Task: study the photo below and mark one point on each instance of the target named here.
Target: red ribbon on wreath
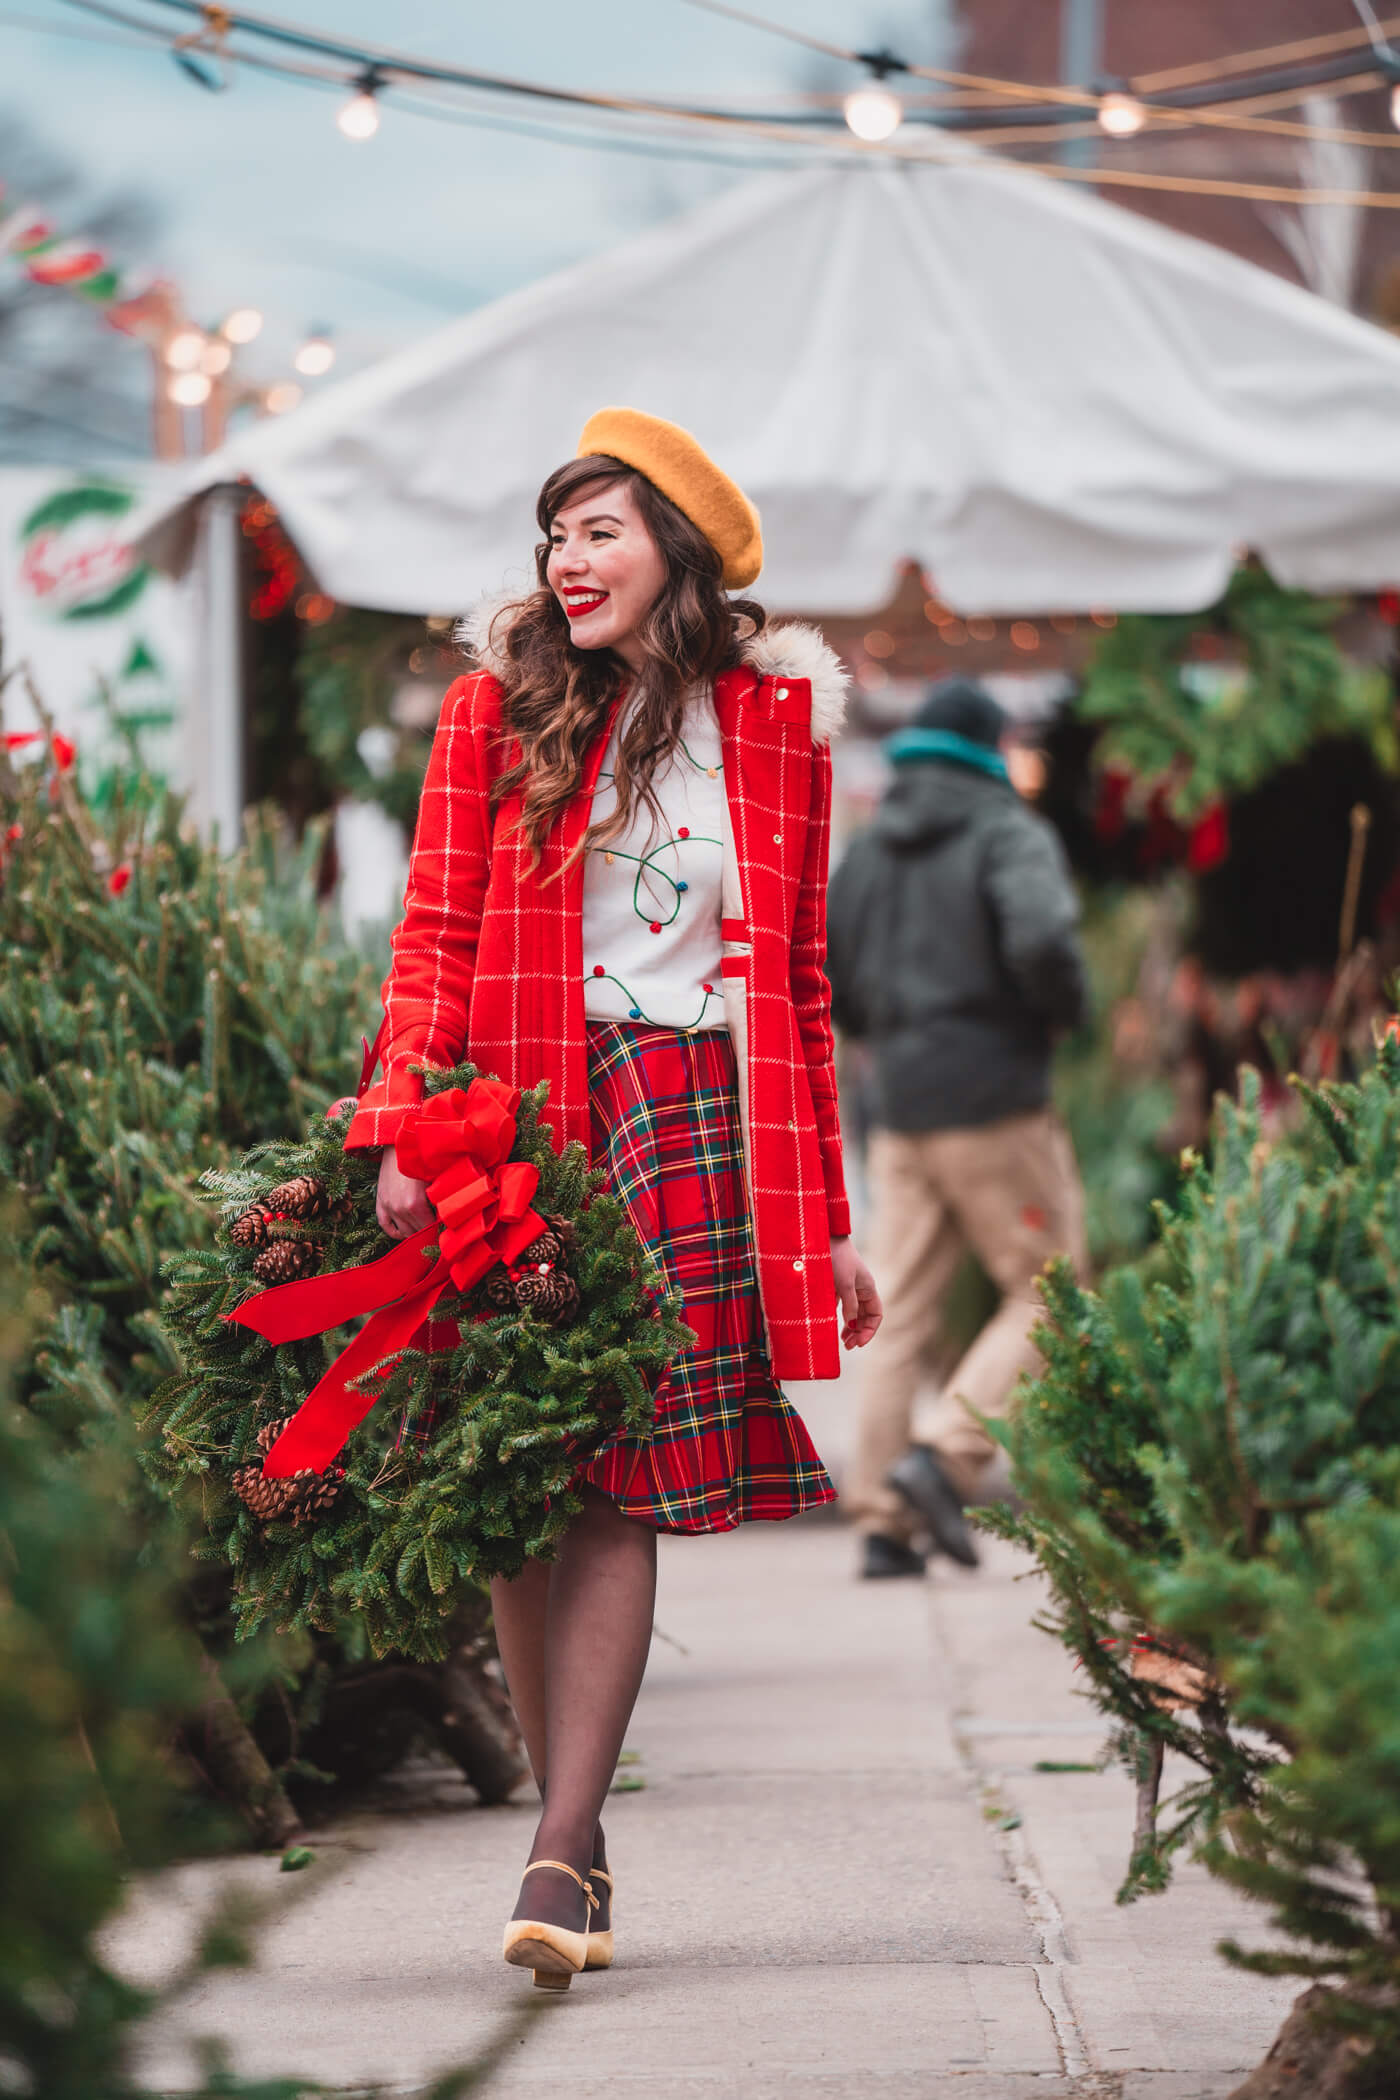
(459, 1144)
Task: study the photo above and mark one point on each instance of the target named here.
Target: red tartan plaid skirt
(724, 1447)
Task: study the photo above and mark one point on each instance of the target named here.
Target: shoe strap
(601, 1874)
(562, 1866)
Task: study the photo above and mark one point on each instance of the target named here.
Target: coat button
(777, 838)
(781, 693)
(799, 1266)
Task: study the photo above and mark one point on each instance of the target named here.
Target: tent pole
(215, 730)
(1081, 62)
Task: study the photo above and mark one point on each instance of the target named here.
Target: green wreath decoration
(463, 1468)
(1211, 730)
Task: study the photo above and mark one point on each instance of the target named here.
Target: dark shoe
(921, 1480)
(886, 1556)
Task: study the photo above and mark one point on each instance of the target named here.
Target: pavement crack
(1043, 1912)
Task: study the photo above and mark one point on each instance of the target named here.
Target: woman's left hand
(861, 1310)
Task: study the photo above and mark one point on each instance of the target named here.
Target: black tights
(573, 1635)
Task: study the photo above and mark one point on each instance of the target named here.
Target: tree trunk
(362, 1727)
(237, 1767)
(478, 1728)
(1149, 1786)
(1312, 2059)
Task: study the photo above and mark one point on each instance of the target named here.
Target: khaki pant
(1010, 1191)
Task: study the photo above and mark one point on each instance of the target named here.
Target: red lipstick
(579, 608)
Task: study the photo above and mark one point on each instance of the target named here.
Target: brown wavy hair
(556, 695)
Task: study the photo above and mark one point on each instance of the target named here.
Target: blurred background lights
(285, 395)
(185, 350)
(873, 113)
(242, 325)
(1121, 115)
(316, 355)
(191, 389)
(215, 357)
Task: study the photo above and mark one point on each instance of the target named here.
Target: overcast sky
(263, 202)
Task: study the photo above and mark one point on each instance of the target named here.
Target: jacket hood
(790, 650)
(931, 801)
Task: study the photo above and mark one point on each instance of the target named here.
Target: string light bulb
(216, 356)
(359, 117)
(185, 350)
(243, 325)
(1120, 114)
(873, 113)
(316, 355)
(282, 397)
(190, 389)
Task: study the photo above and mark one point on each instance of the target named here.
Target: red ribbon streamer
(459, 1144)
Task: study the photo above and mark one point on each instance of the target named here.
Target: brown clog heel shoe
(555, 1953)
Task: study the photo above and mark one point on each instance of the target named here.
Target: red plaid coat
(488, 962)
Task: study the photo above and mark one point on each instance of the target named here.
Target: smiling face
(605, 569)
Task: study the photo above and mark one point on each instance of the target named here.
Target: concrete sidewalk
(843, 1876)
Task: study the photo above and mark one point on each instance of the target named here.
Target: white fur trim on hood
(795, 651)
(787, 651)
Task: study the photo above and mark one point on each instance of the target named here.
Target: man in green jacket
(953, 953)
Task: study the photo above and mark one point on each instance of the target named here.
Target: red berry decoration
(656, 925)
(598, 970)
(683, 832)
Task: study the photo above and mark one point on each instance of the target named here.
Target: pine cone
(565, 1232)
(286, 1260)
(301, 1499)
(257, 1493)
(498, 1290)
(553, 1295)
(304, 1196)
(249, 1228)
(548, 1247)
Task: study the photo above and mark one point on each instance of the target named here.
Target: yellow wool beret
(671, 459)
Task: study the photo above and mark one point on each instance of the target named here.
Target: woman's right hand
(402, 1204)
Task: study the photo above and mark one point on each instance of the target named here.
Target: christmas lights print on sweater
(651, 898)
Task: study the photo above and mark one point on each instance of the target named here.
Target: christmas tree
(97, 1663)
(161, 1008)
(1212, 1465)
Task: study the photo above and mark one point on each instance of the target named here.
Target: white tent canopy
(1050, 403)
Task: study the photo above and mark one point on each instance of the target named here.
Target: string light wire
(411, 65)
(1329, 134)
(1159, 115)
(75, 33)
(904, 147)
(1303, 48)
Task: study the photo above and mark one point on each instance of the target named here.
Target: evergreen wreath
(463, 1468)
(1210, 704)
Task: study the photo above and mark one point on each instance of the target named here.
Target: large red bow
(459, 1144)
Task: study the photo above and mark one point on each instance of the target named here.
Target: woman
(618, 885)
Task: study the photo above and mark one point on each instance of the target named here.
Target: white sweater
(651, 899)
